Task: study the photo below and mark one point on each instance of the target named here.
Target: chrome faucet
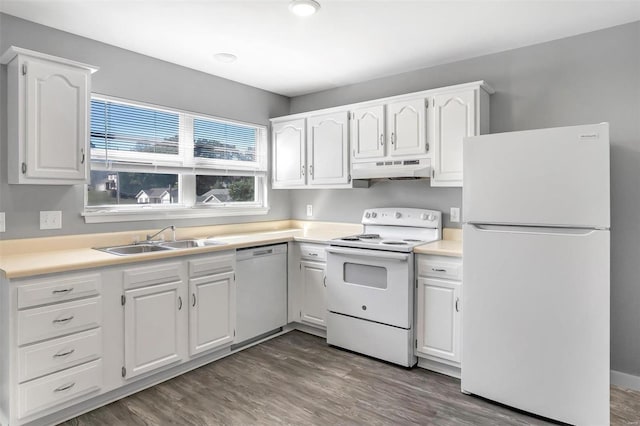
(173, 230)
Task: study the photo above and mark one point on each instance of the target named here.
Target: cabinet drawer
(59, 387)
(58, 354)
(210, 265)
(313, 252)
(439, 268)
(151, 275)
(56, 320)
(57, 289)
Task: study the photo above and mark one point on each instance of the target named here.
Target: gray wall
(131, 76)
(589, 78)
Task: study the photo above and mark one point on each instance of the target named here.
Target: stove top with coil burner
(395, 229)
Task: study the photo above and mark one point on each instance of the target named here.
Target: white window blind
(136, 137)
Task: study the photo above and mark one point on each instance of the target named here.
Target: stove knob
(367, 215)
(424, 216)
(431, 217)
(374, 215)
(398, 215)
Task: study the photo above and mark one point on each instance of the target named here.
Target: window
(147, 159)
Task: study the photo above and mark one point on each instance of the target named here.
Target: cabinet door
(212, 312)
(454, 119)
(314, 293)
(152, 319)
(438, 327)
(406, 125)
(367, 132)
(328, 149)
(289, 154)
(56, 110)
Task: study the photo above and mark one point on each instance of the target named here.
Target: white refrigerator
(535, 321)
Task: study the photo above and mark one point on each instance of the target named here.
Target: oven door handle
(371, 254)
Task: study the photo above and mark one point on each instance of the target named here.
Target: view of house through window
(114, 188)
(225, 189)
(145, 157)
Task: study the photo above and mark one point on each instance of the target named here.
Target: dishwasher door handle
(262, 252)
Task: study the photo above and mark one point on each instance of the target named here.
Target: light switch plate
(455, 214)
(309, 210)
(51, 219)
(3, 225)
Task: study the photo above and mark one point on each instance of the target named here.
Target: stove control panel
(403, 217)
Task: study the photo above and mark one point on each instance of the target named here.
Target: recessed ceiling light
(304, 7)
(227, 58)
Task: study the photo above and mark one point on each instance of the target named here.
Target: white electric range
(370, 292)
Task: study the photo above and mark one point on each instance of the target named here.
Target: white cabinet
(307, 284)
(154, 317)
(48, 118)
(406, 127)
(439, 312)
(289, 145)
(212, 302)
(313, 309)
(455, 115)
(51, 339)
(438, 328)
(328, 149)
(367, 132)
(311, 152)
(212, 306)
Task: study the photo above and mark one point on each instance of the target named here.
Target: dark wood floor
(298, 379)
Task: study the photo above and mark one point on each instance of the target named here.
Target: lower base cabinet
(439, 309)
(212, 303)
(152, 319)
(313, 309)
(307, 284)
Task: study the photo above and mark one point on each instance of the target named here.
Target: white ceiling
(348, 41)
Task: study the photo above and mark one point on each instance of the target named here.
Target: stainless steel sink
(159, 246)
(133, 249)
(182, 244)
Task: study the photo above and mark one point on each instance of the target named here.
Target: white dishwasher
(261, 279)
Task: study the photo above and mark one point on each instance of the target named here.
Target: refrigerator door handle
(537, 230)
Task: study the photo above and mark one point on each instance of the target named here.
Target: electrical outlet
(309, 210)
(51, 219)
(3, 226)
(455, 214)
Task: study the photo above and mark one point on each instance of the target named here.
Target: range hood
(411, 168)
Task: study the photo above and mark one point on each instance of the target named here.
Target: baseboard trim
(625, 380)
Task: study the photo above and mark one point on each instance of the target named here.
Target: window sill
(108, 216)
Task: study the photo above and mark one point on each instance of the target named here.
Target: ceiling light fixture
(227, 58)
(304, 7)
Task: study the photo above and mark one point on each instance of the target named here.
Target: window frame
(186, 166)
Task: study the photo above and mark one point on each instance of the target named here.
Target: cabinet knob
(194, 299)
(457, 304)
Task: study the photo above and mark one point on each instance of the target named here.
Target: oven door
(371, 284)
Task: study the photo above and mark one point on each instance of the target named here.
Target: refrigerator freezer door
(556, 177)
(536, 320)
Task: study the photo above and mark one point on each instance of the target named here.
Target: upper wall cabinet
(288, 139)
(406, 127)
(311, 152)
(367, 132)
(328, 149)
(416, 135)
(454, 116)
(48, 115)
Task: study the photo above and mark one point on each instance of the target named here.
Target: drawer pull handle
(65, 387)
(324, 281)
(438, 270)
(63, 354)
(63, 291)
(313, 254)
(194, 299)
(457, 304)
(63, 320)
